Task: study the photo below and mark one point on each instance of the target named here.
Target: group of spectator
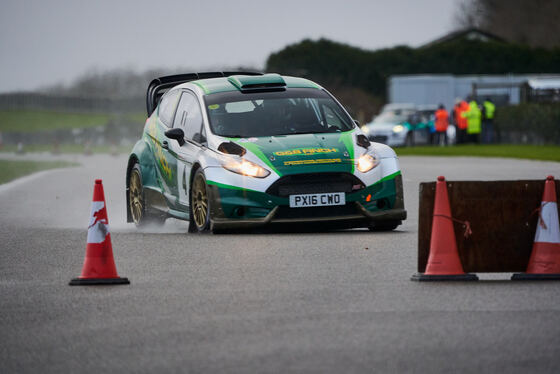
(474, 123)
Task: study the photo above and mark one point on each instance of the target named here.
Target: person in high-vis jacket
(474, 121)
(441, 125)
(488, 112)
(460, 121)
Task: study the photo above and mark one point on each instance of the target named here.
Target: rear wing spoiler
(161, 85)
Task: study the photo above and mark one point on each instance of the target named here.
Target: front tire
(200, 204)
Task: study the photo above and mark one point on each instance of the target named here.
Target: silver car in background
(391, 125)
(405, 125)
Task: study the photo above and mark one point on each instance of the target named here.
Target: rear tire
(137, 201)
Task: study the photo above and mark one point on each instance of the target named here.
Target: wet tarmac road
(275, 302)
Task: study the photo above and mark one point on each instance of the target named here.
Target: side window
(167, 107)
(189, 116)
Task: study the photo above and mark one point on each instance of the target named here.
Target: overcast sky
(43, 42)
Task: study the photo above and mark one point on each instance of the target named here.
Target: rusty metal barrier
(500, 216)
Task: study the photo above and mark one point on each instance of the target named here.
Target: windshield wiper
(325, 131)
(301, 132)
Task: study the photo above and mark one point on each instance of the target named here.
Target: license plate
(317, 199)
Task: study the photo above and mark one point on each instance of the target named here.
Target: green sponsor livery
(231, 150)
(306, 153)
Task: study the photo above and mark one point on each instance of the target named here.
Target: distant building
(444, 88)
(468, 34)
(541, 90)
(507, 89)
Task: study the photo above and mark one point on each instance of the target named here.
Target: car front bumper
(241, 208)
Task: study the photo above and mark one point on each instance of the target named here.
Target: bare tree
(468, 14)
(533, 22)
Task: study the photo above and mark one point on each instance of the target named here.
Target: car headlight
(365, 129)
(398, 128)
(245, 167)
(366, 162)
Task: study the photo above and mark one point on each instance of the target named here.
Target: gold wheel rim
(199, 202)
(135, 194)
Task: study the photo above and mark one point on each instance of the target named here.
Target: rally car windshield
(294, 111)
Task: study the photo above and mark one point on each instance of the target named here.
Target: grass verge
(68, 148)
(531, 152)
(33, 121)
(10, 170)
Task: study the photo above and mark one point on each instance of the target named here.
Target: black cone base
(98, 281)
(533, 277)
(421, 277)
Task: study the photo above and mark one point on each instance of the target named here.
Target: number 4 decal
(182, 184)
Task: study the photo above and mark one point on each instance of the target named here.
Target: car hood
(304, 153)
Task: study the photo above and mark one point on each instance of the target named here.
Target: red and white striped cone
(544, 263)
(99, 264)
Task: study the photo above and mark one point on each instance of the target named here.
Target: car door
(188, 118)
(165, 165)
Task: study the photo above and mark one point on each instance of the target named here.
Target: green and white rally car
(233, 150)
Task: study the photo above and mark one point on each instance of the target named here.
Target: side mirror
(176, 134)
(199, 138)
(363, 141)
(357, 123)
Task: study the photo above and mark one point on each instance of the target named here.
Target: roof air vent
(261, 82)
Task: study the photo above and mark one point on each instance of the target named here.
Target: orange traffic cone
(443, 261)
(544, 263)
(99, 265)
